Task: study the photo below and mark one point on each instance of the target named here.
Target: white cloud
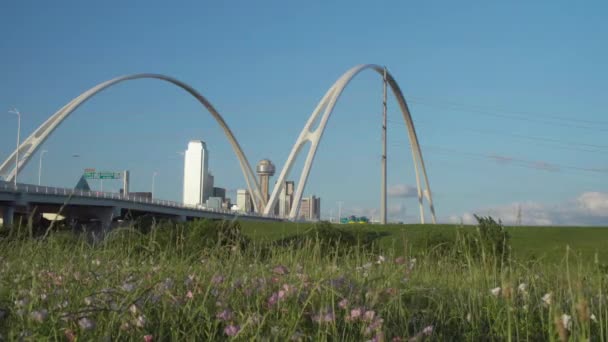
(589, 208)
(402, 190)
(596, 203)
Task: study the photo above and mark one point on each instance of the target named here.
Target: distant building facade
(196, 177)
(286, 198)
(214, 203)
(310, 209)
(243, 200)
(219, 192)
(208, 186)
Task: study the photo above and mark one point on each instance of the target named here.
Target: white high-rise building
(196, 177)
(243, 200)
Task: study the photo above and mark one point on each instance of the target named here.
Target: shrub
(331, 238)
(493, 238)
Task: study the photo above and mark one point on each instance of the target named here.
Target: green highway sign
(92, 174)
(110, 175)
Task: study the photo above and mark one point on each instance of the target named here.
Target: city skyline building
(219, 192)
(243, 200)
(310, 209)
(208, 185)
(196, 178)
(265, 169)
(214, 203)
(286, 198)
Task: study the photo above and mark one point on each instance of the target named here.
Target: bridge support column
(106, 216)
(8, 215)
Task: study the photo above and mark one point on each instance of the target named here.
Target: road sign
(110, 175)
(92, 174)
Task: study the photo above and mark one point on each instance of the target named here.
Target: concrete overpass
(104, 207)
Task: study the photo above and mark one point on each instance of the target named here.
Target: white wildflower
(412, 263)
(567, 321)
(523, 288)
(88, 301)
(380, 260)
(128, 287)
(133, 309)
(495, 291)
(593, 318)
(20, 303)
(140, 322)
(547, 299)
(86, 324)
(427, 331)
(39, 316)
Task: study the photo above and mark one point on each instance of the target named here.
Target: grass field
(298, 282)
(527, 242)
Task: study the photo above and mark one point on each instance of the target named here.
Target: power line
(516, 114)
(545, 142)
(562, 145)
(532, 164)
(515, 117)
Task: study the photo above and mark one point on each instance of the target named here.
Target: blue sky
(508, 98)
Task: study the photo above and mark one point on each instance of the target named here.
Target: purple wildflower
(218, 279)
(369, 315)
(329, 317)
(225, 315)
(232, 330)
(280, 270)
(274, 298)
(40, 316)
(356, 313)
(326, 317)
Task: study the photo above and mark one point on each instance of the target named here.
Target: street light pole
(16, 112)
(40, 166)
(153, 179)
(340, 211)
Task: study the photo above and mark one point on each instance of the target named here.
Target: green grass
(185, 283)
(545, 243)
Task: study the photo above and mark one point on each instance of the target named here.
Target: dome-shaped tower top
(265, 167)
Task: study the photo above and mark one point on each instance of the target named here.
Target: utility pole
(40, 166)
(153, 179)
(340, 211)
(16, 112)
(518, 222)
(383, 185)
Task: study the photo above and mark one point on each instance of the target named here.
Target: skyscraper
(196, 177)
(286, 198)
(243, 200)
(310, 208)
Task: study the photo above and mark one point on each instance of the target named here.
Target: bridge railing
(48, 190)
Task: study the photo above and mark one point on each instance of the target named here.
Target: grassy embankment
(545, 243)
(204, 281)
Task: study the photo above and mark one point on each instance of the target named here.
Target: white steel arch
(326, 106)
(31, 144)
